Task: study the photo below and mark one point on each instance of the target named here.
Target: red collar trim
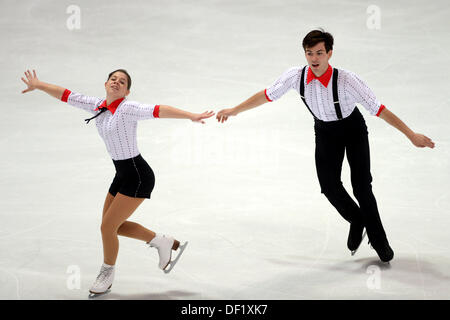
(324, 79)
(112, 106)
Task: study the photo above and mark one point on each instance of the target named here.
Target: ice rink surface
(244, 193)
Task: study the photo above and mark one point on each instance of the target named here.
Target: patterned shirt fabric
(319, 97)
(118, 125)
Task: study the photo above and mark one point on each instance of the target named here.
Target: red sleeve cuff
(267, 97)
(156, 111)
(381, 109)
(65, 95)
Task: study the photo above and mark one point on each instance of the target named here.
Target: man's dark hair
(124, 71)
(316, 36)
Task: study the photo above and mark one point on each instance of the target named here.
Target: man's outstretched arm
(418, 139)
(252, 102)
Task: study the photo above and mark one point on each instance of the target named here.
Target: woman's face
(117, 85)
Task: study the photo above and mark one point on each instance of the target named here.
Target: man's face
(317, 58)
(116, 86)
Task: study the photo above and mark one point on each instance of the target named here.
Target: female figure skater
(116, 119)
(330, 95)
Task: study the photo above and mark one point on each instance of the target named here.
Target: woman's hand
(31, 82)
(198, 117)
(421, 141)
(223, 115)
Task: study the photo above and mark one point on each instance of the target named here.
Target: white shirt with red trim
(319, 97)
(118, 125)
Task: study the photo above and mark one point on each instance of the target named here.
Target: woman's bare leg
(108, 200)
(119, 210)
(136, 231)
(127, 228)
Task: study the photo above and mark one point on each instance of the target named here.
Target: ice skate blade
(173, 262)
(93, 295)
(362, 239)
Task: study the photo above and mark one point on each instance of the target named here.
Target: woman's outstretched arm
(175, 113)
(33, 82)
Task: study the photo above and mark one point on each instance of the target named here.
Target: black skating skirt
(134, 178)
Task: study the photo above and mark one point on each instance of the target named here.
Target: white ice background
(244, 193)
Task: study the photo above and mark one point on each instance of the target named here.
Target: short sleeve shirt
(118, 130)
(351, 90)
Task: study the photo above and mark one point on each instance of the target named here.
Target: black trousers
(333, 140)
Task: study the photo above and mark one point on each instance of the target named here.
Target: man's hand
(223, 115)
(421, 141)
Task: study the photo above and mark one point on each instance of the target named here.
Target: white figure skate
(165, 244)
(103, 283)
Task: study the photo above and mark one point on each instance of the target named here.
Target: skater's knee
(104, 228)
(331, 191)
(327, 193)
(361, 184)
(362, 191)
(108, 228)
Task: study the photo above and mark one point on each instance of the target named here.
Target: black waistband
(356, 114)
(130, 160)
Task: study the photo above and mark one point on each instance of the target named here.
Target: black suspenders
(302, 91)
(337, 106)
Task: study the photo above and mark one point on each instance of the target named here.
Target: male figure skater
(330, 95)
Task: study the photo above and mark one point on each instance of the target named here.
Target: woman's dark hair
(123, 71)
(316, 36)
